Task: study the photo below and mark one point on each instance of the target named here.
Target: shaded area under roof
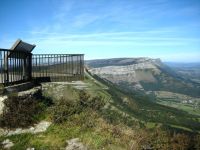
(20, 45)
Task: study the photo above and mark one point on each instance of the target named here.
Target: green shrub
(95, 103)
(64, 108)
(84, 98)
(21, 111)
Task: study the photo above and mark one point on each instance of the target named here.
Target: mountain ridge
(119, 61)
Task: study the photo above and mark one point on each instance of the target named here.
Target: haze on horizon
(164, 29)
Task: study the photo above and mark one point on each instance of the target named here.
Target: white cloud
(157, 37)
(84, 19)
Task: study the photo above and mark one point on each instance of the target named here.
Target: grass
(57, 134)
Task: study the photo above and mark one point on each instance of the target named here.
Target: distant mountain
(118, 61)
(143, 75)
(190, 71)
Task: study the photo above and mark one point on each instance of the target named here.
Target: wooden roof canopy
(21, 46)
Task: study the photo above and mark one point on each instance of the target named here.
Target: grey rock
(75, 144)
(40, 127)
(2, 99)
(29, 92)
(7, 144)
(30, 148)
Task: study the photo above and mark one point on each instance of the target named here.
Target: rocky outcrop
(29, 92)
(37, 128)
(126, 71)
(116, 70)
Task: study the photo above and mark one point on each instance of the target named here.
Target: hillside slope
(103, 116)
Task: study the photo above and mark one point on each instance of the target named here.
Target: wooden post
(6, 72)
(24, 67)
(29, 66)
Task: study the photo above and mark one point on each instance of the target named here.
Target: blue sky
(166, 29)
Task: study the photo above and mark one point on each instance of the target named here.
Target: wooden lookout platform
(18, 65)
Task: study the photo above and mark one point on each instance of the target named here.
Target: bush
(21, 111)
(83, 98)
(64, 108)
(95, 103)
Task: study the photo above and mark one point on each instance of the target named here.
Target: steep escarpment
(142, 75)
(129, 71)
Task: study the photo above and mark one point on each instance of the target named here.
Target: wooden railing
(19, 66)
(58, 67)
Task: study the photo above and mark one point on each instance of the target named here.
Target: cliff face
(141, 74)
(128, 71)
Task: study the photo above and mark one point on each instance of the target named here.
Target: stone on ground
(75, 144)
(30, 148)
(7, 144)
(2, 99)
